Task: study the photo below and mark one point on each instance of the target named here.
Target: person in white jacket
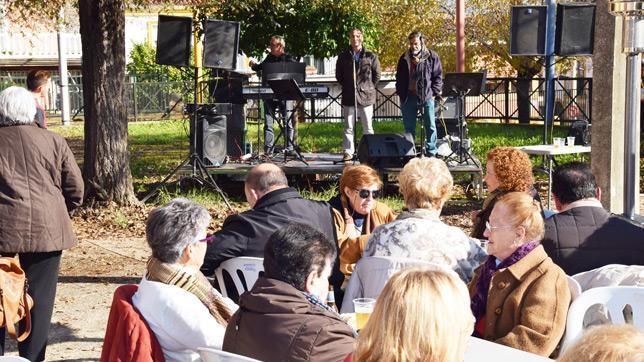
(176, 300)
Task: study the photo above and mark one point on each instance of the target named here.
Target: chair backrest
(371, 274)
(127, 328)
(243, 270)
(215, 355)
(611, 275)
(13, 359)
(575, 288)
(614, 299)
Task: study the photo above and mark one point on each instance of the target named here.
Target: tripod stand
(287, 90)
(460, 85)
(199, 174)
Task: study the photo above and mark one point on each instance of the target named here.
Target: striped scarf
(196, 284)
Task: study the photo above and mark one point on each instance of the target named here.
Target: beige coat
(351, 248)
(527, 304)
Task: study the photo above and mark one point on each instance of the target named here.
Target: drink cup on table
(363, 308)
(571, 141)
(557, 141)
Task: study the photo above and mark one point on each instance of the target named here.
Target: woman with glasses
(519, 296)
(357, 212)
(176, 300)
(418, 232)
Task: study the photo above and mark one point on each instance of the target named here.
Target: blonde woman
(608, 343)
(418, 232)
(421, 315)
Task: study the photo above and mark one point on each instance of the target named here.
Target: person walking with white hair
(40, 183)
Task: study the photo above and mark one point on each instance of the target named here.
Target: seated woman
(421, 315)
(418, 232)
(519, 296)
(181, 307)
(507, 170)
(357, 212)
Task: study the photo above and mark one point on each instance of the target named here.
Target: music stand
(461, 85)
(288, 90)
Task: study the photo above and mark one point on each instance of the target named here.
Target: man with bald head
(273, 205)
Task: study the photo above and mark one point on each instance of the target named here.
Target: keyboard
(311, 91)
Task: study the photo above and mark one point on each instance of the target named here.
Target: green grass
(156, 147)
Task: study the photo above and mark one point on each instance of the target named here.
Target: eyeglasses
(208, 239)
(364, 193)
(275, 45)
(490, 227)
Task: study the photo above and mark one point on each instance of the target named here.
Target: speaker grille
(527, 30)
(575, 29)
(173, 40)
(214, 147)
(221, 44)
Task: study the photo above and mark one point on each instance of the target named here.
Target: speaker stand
(199, 172)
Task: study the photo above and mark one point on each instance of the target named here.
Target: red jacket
(127, 337)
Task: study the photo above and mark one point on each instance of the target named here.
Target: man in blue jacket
(419, 78)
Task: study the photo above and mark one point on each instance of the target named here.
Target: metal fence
(499, 100)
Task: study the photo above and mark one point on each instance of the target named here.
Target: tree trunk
(106, 166)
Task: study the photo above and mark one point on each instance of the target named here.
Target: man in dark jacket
(272, 106)
(419, 78)
(284, 317)
(358, 61)
(273, 205)
(584, 236)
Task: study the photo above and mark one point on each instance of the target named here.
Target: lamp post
(633, 43)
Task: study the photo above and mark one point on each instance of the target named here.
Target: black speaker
(385, 150)
(173, 40)
(575, 29)
(221, 44)
(235, 129)
(528, 30)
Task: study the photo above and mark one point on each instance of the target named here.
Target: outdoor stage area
(327, 164)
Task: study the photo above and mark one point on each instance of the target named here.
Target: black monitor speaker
(386, 150)
(173, 40)
(221, 44)
(210, 138)
(575, 29)
(528, 30)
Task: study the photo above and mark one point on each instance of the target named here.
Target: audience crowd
(518, 264)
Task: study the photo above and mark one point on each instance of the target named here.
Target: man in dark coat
(364, 64)
(584, 236)
(419, 78)
(272, 106)
(284, 317)
(273, 205)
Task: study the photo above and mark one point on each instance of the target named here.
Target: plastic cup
(571, 141)
(557, 141)
(363, 308)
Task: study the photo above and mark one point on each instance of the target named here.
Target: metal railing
(500, 99)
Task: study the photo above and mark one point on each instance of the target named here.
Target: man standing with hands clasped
(419, 78)
(357, 100)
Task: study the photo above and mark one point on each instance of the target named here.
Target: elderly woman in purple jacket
(419, 78)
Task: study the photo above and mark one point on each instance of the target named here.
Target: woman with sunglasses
(418, 233)
(519, 296)
(357, 212)
(176, 300)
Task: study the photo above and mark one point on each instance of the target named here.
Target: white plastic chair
(13, 359)
(371, 274)
(215, 355)
(575, 288)
(615, 299)
(243, 270)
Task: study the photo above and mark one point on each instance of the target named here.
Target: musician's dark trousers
(274, 108)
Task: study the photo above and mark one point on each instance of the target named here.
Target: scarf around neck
(195, 283)
(479, 300)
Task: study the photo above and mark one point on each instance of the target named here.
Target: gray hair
(17, 106)
(172, 227)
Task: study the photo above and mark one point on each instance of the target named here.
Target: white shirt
(180, 322)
